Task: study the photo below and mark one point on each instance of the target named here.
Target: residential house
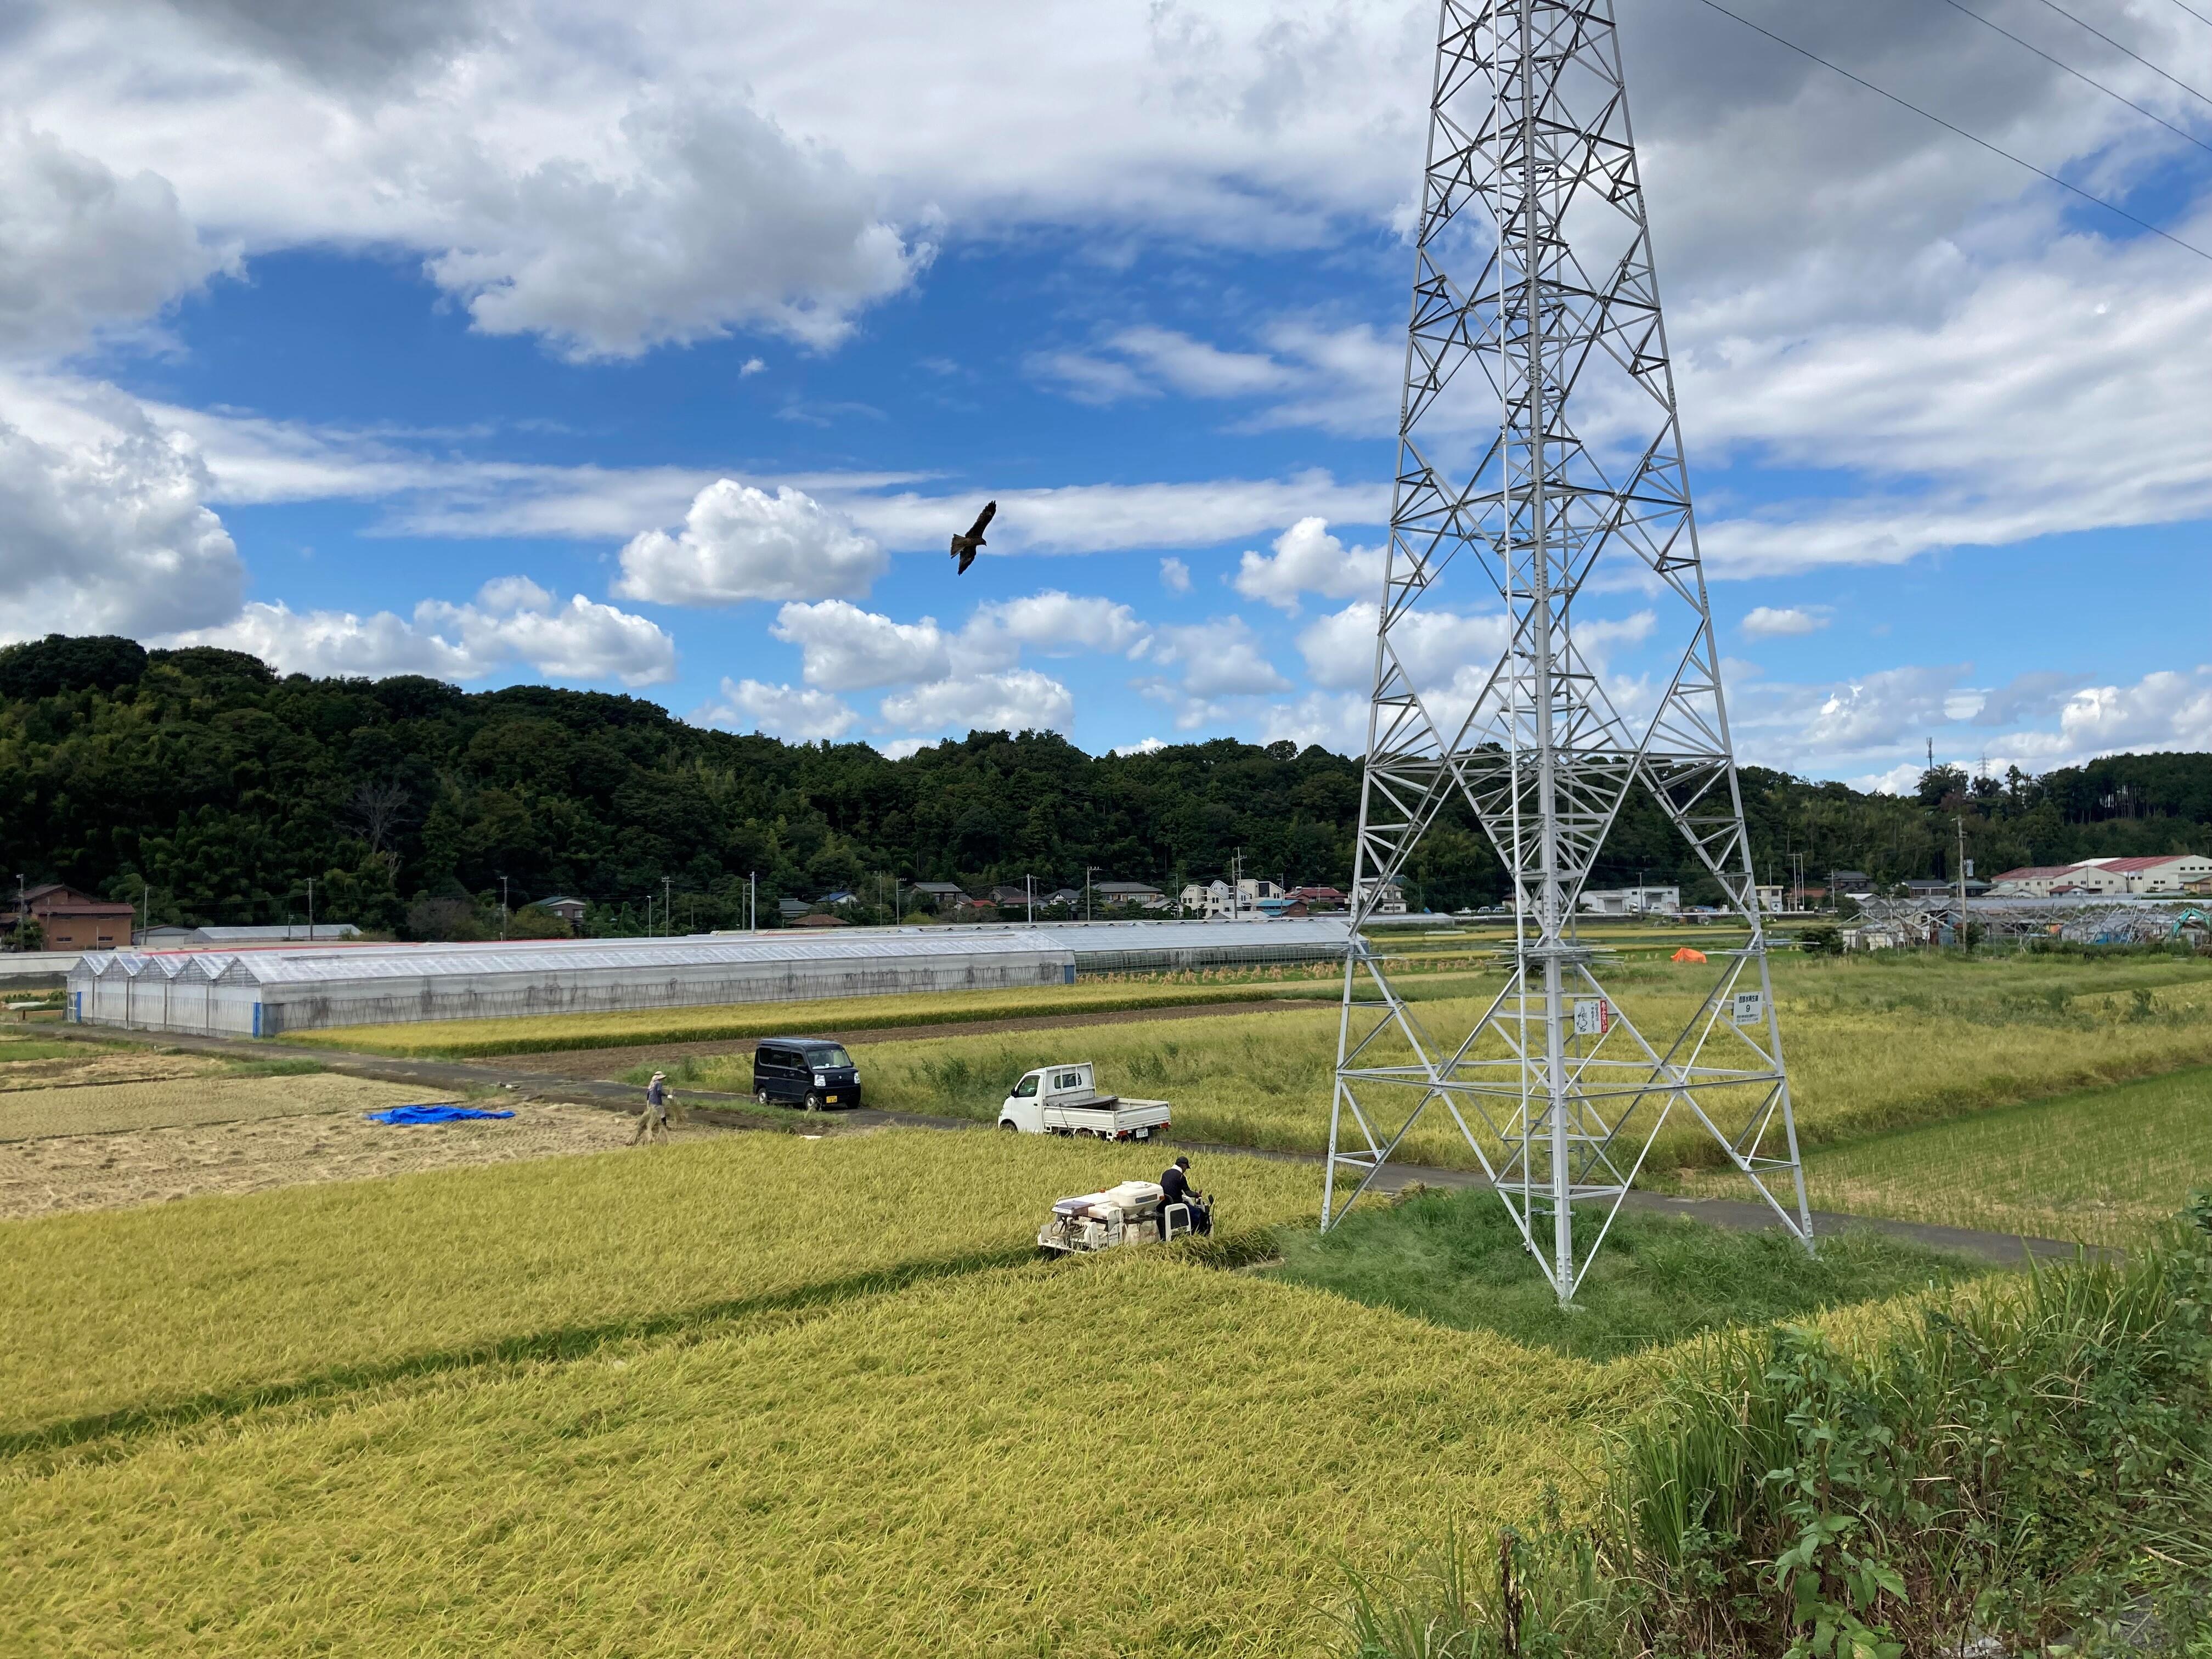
(1845, 884)
(1390, 902)
(938, 895)
(819, 918)
(570, 911)
(790, 910)
(1141, 894)
(2029, 881)
(71, 920)
(1318, 898)
(840, 898)
(1010, 897)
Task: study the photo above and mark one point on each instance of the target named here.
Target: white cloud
(82, 250)
(1020, 699)
(1142, 746)
(1342, 379)
(1053, 624)
(1437, 648)
(2165, 709)
(1309, 559)
(739, 543)
(1175, 575)
(1879, 708)
(705, 217)
(1222, 658)
(511, 620)
(782, 711)
(1767, 623)
(751, 367)
(1335, 721)
(106, 533)
(845, 648)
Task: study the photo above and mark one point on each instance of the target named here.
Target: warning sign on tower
(1592, 1016)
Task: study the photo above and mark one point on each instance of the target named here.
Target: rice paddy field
(2104, 1166)
(1873, 1044)
(773, 1395)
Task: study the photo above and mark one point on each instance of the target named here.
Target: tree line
(206, 787)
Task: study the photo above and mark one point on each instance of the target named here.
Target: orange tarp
(1686, 954)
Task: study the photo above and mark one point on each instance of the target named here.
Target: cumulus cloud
(1880, 707)
(109, 535)
(711, 217)
(1020, 699)
(2165, 709)
(1142, 746)
(1767, 623)
(511, 620)
(1053, 624)
(845, 648)
(1435, 647)
(1222, 658)
(1309, 559)
(1175, 575)
(82, 249)
(1342, 379)
(794, 713)
(738, 542)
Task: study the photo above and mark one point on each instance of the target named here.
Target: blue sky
(661, 348)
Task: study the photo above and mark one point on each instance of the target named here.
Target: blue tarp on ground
(430, 1114)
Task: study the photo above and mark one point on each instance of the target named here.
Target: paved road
(735, 1112)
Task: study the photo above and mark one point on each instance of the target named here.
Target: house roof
(2035, 872)
(2135, 866)
(1124, 887)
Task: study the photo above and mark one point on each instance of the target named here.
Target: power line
(2138, 57)
(1902, 103)
(2198, 15)
(2178, 132)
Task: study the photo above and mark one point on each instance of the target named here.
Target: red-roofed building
(72, 920)
(2157, 874)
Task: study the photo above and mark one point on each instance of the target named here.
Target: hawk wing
(982, 520)
(967, 558)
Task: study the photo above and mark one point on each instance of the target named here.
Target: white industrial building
(1631, 900)
(267, 991)
(2161, 875)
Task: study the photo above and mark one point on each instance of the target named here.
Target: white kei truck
(1064, 1100)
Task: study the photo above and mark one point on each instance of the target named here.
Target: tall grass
(2015, 1465)
(1112, 1456)
(204, 1305)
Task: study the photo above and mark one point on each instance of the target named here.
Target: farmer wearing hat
(655, 1115)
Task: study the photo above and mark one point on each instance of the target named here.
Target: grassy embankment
(2105, 1166)
(1457, 1258)
(1872, 1045)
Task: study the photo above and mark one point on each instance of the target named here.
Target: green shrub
(2026, 1466)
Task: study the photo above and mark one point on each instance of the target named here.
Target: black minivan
(811, 1072)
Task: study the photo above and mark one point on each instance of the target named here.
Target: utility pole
(667, 914)
(1087, 869)
(502, 909)
(1029, 897)
(1963, 945)
(311, 912)
(752, 900)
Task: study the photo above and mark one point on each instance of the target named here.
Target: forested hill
(222, 786)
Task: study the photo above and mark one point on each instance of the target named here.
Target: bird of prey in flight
(963, 547)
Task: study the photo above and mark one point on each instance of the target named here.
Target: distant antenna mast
(1534, 299)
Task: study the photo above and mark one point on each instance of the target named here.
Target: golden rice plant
(2105, 1166)
(551, 1033)
(199, 1306)
(1114, 1456)
(1870, 1046)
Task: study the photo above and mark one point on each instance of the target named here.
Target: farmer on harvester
(1176, 1188)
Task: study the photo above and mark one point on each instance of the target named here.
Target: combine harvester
(1131, 1213)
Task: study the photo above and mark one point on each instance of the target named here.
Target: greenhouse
(264, 993)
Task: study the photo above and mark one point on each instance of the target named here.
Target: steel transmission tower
(1539, 461)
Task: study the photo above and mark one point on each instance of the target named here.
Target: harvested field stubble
(205, 1099)
(116, 1171)
(1114, 1456)
(208, 1303)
